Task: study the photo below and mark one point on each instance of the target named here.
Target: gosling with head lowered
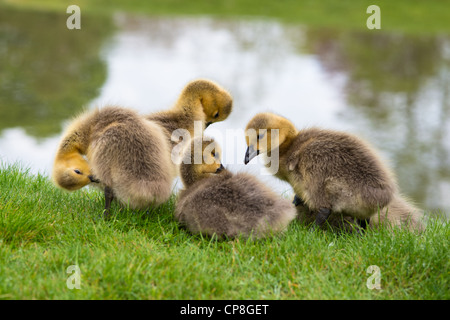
(331, 172)
(117, 149)
(218, 202)
(200, 103)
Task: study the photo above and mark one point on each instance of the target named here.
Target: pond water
(390, 89)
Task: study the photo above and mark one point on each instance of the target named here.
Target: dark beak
(207, 124)
(250, 154)
(220, 168)
(91, 177)
(298, 201)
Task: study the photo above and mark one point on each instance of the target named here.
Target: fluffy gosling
(330, 171)
(218, 202)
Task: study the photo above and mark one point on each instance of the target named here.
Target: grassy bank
(412, 16)
(139, 255)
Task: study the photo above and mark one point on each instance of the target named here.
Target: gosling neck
(77, 136)
(288, 133)
(190, 109)
(189, 174)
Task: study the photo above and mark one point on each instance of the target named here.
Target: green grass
(140, 255)
(413, 16)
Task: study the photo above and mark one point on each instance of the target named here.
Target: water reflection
(389, 88)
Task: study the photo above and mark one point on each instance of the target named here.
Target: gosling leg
(109, 196)
(364, 223)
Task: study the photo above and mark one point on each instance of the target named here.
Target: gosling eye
(216, 115)
(261, 135)
(77, 171)
(215, 155)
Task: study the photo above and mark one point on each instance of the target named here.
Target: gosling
(218, 202)
(120, 151)
(330, 171)
(200, 100)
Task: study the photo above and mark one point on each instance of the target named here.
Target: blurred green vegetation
(377, 63)
(414, 16)
(47, 72)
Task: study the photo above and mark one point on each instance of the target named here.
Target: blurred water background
(389, 86)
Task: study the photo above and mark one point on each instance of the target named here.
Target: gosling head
(216, 102)
(72, 172)
(201, 160)
(265, 132)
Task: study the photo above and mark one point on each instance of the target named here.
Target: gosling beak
(297, 201)
(220, 168)
(91, 177)
(207, 124)
(250, 154)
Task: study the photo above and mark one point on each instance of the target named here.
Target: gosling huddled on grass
(119, 150)
(218, 202)
(331, 172)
